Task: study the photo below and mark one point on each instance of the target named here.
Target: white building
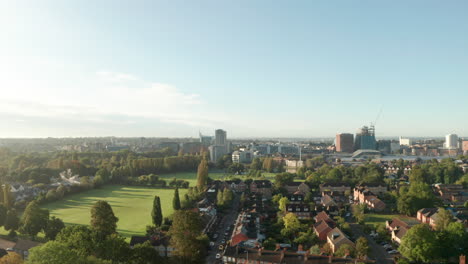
(451, 141)
(405, 141)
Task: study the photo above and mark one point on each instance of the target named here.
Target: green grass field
(192, 176)
(375, 219)
(132, 205)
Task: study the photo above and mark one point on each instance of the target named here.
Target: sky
(254, 68)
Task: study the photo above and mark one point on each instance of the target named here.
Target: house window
(290, 209)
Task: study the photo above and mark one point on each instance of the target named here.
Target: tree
(34, 219)
(306, 239)
(186, 237)
(358, 212)
(53, 227)
(176, 200)
(12, 220)
(103, 220)
(11, 258)
(256, 164)
(3, 214)
(418, 244)
(291, 221)
(444, 218)
(156, 213)
(344, 250)
(98, 181)
(7, 197)
(113, 247)
(220, 198)
(283, 202)
(236, 168)
(362, 247)
(54, 252)
(202, 174)
(78, 238)
(145, 254)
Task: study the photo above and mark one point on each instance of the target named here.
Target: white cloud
(100, 98)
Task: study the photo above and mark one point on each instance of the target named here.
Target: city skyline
(256, 69)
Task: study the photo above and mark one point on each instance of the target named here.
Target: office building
(220, 137)
(365, 138)
(344, 142)
(405, 141)
(205, 140)
(451, 141)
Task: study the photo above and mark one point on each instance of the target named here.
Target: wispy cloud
(107, 95)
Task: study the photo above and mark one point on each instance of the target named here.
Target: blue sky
(254, 68)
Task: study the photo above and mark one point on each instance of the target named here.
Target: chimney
(330, 259)
(260, 251)
(462, 259)
(282, 255)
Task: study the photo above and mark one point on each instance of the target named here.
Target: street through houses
(227, 221)
(376, 251)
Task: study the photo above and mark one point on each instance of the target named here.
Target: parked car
(387, 246)
(218, 256)
(393, 252)
(221, 247)
(389, 249)
(215, 236)
(223, 241)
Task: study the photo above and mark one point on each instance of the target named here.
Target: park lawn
(132, 205)
(375, 219)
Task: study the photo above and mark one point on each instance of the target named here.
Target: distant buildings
(465, 146)
(243, 156)
(205, 140)
(405, 142)
(344, 142)
(451, 141)
(365, 138)
(220, 147)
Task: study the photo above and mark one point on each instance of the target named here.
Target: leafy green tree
(202, 174)
(98, 181)
(34, 219)
(156, 213)
(283, 179)
(220, 198)
(176, 200)
(444, 218)
(291, 221)
(227, 196)
(78, 238)
(306, 239)
(103, 220)
(113, 248)
(256, 164)
(344, 250)
(7, 196)
(186, 237)
(236, 168)
(362, 247)
(12, 220)
(145, 254)
(419, 244)
(3, 214)
(53, 227)
(54, 252)
(283, 202)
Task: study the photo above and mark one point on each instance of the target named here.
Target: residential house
(341, 188)
(302, 211)
(428, 216)
(336, 238)
(159, 242)
(235, 185)
(23, 246)
(398, 233)
(375, 188)
(297, 186)
(262, 187)
(364, 196)
(322, 229)
(297, 197)
(237, 254)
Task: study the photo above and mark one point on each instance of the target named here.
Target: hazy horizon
(258, 69)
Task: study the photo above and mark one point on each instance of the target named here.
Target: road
(227, 221)
(377, 252)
